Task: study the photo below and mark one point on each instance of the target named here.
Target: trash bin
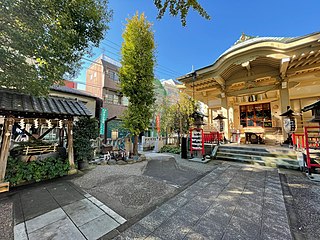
(184, 148)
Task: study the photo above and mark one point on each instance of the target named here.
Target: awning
(18, 104)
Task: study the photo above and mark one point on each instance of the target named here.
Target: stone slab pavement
(60, 210)
(231, 202)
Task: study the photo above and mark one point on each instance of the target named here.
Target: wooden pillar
(70, 143)
(284, 102)
(5, 146)
(225, 113)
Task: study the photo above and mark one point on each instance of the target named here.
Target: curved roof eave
(257, 43)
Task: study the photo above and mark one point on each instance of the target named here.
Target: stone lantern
(289, 124)
(198, 119)
(220, 119)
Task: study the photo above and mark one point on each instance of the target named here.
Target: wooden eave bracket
(284, 67)
(221, 82)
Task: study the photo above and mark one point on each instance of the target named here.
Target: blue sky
(201, 42)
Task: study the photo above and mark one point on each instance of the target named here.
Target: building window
(256, 115)
(112, 98)
(113, 75)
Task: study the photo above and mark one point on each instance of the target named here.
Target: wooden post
(70, 144)
(5, 146)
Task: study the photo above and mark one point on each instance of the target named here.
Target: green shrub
(170, 149)
(19, 171)
(84, 130)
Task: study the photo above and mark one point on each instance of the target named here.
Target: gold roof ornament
(244, 38)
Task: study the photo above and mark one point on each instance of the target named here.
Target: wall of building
(88, 101)
(94, 79)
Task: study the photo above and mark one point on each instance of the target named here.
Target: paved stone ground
(59, 210)
(231, 202)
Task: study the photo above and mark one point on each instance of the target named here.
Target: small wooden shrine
(17, 110)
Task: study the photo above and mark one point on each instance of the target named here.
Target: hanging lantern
(49, 123)
(36, 123)
(22, 124)
(60, 124)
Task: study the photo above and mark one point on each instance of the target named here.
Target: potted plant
(84, 130)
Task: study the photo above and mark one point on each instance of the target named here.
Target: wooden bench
(34, 150)
(4, 187)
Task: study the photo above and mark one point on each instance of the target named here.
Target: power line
(156, 70)
(164, 68)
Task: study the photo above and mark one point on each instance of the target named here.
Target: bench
(34, 150)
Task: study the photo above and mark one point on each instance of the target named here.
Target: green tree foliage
(84, 130)
(176, 117)
(42, 41)
(136, 74)
(182, 7)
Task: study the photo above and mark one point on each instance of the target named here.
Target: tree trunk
(135, 145)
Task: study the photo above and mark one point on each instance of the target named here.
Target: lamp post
(220, 119)
(289, 124)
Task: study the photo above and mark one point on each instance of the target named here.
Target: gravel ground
(98, 175)
(302, 198)
(185, 164)
(6, 223)
(124, 189)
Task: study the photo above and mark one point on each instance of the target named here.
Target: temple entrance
(256, 115)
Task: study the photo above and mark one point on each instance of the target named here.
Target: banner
(158, 123)
(103, 118)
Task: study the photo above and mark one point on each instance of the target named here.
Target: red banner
(158, 123)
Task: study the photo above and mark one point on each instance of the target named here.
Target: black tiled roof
(13, 103)
(71, 90)
(311, 106)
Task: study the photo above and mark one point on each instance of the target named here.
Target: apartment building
(102, 80)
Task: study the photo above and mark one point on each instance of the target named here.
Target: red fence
(213, 137)
(298, 140)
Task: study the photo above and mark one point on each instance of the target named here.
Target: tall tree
(42, 41)
(136, 75)
(182, 7)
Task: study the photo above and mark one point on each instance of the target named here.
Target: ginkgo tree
(136, 75)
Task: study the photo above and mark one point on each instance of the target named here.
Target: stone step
(255, 157)
(259, 148)
(249, 151)
(270, 162)
(268, 156)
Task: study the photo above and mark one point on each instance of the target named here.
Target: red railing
(298, 140)
(312, 141)
(213, 137)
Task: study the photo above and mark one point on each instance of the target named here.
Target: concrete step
(259, 155)
(258, 148)
(256, 153)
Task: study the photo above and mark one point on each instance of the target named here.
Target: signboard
(196, 140)
(103, 118)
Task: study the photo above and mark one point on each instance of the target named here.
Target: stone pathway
(61, 211)
(231, 202)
